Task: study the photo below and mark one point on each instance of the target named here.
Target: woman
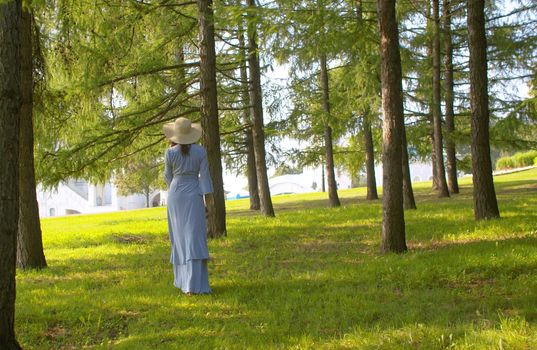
(187, 176)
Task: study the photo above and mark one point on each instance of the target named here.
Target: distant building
(81, 197)
(311, 179)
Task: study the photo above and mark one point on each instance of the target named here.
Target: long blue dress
(188, 180)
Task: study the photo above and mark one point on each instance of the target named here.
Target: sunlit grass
(310, 278)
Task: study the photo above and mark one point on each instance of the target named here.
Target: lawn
(311, 278)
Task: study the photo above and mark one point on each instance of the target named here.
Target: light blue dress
(188, 180)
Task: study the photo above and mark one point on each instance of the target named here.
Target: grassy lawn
(312, 278)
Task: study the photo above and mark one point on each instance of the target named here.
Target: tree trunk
(251, 171)
(409, 202)
(437, 111)
(10, 104)
(453, 183)
(370, 160)
(328, 147)
(256, 99)
(323, 180)
(393, 219)
(485, 204)
(368, 134)
(434, 163)
(216, 221)
(29, 239)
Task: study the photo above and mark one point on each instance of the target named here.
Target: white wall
(65, 201)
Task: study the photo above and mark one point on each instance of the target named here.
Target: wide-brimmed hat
(182, 131)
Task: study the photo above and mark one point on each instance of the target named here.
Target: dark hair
(185, 150)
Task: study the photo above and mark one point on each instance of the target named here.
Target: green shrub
(505, 163)
(524, 159)
(519, 160)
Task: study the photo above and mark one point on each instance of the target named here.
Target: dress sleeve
(206, 185)
(168, 171)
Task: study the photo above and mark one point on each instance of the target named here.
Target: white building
(81, 197)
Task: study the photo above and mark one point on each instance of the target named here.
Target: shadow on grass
(278, 311)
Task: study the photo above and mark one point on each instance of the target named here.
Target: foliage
(464, 164)
(140, 176)
(285, 169)
(116, 72)
(311, 278)
(518, 160)
(111, 73)
(505, 163)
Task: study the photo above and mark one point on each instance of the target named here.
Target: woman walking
(187, 176)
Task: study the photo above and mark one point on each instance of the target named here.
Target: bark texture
(393, 220)
(430, 115)
(485, 203)
(328, 144)
(29, 239)
(437, 111)
(10, 104)
(370, 161)
(368, 134)
(323, 180)
(433, 156)
(409, 202)
(251, 170)
(453, 183)
(216, 222)
(256, 99)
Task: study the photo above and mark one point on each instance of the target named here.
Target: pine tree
(449, 99)
(258, 134)
(10, 110)
(393, 220)
(209, 118)
(30, 253)
(436, 105)
(485, 204)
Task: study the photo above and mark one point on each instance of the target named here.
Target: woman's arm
(168, 171)
(206, 185)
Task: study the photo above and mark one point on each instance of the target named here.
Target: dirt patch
(127, 238)
(55, 332)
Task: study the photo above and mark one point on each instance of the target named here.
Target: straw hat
(182, 131)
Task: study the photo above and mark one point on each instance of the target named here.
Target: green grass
(312, 278)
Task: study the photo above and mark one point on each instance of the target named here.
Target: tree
(258, 133)
(436, 105)
(328, 144)
(408, 193)
(393, 220)
(368, 134)
(453, 183)
(10, 105)
(310, 48)
(370, 161)
(485, 204)
(251, 169)
(30, 253)
(142, 176)
(209, 118)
